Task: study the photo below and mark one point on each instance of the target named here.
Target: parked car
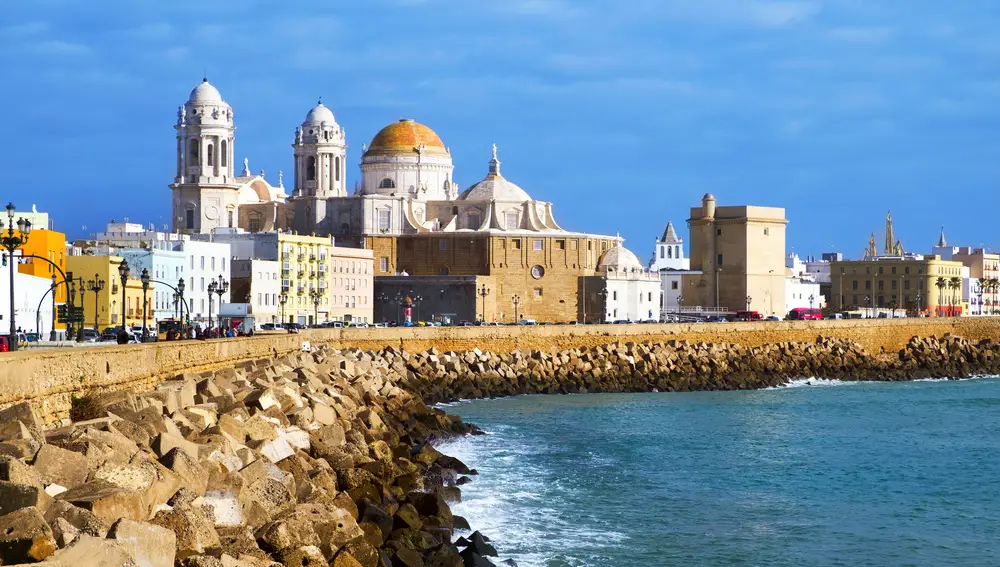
(91, 335)
(717, 319)
(527, 322)
(772, 318)
(378, 325)
(4, 344)
(805, 314)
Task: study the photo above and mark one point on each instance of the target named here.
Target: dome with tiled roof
(619, 259)
(406, 137)
(495, 187)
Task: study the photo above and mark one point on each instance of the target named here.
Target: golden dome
(404, 137)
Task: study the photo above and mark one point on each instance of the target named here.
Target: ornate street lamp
(123, 272)
(812, 299)
(382, 299)
(144, 278)
(218, 287)
(516, 300)
(483, 292)
(283, 300)
(96, 285)
(11, 242)
(748, 302)
(416, 302)
(184, 305)
(316, 298)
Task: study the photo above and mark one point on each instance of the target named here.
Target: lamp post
(144, 278)
(812, 299)
(221, 287)
(382, 299)
(398, 299)
(11, 242)
(180, 292)
(867, 302)
(483, 292)
(416, 303)
(516, 300)
(315, 297)
(718, 275)
(177, 299)
(979, 292)
(919, 311)
(95, 285)
(603, 294)
(52, 333)
(282, 301)
(123, 272)
(211, 291)
(749, 299)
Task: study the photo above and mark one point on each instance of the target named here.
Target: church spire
(942, 243)
(669, 234)
(890, 238)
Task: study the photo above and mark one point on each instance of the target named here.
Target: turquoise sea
(817, 474)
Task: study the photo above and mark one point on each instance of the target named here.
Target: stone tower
(204, 188)
(320, 150)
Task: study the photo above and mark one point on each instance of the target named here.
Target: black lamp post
(96, 285)
(979, 292)
(283, 300)
(382, 299)
(399, 306)
(144, 278)
(603, 294)
(52, 333)
(416, 303)
(812, 298)
(516, 300)
(867, 302)
(11, 242)
(123, 272)
(180, 292)
(177, 299)
(483, 292)
(748, 303)
(316, 298)
(218, 287)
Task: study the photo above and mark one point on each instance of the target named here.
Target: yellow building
(913, 283)
(105, 307)
(51, 245)
(740, 252)
(305, 277)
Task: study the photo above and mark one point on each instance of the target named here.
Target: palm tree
(941, 283)
(992, 285)
(955, 284)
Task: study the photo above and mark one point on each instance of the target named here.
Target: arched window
(444, 271)
(670, 252)
(661, 252)
(475, 220)
(336, 168)
(387, 184)
(310, 168)
(224, 150)
(678, 252)
(194, 151)
(211, 154)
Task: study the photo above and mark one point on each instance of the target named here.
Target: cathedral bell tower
(204, 187)
(320, 151)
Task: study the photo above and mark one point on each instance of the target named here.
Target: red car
(805, 314)
(4, 344)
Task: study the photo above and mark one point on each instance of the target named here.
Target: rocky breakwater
(679, 366)
(312, 460)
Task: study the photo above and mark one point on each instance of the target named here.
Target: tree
(941, 283)
(955, 284)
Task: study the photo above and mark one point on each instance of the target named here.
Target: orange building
(51, 245)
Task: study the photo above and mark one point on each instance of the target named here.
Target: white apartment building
(258, 283)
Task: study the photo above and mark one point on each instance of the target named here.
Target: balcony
(302, 273)
(312, 257)
(322, 268)
(301, 258)
(285, 288)
(301, 290)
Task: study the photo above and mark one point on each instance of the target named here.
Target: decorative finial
(281, 182)
(495, 163)
(320, 102)
(494, 151)
(246, 167)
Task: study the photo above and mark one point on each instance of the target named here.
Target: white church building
(671, 263)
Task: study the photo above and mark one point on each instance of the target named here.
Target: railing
(312, 257)
(301, 257)
(700, 309)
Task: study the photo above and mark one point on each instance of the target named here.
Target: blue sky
(621, 113)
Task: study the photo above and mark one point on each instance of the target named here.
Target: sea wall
(49, 378)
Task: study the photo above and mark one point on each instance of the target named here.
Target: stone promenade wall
(49, 378)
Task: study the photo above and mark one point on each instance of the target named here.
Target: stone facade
(910, 282)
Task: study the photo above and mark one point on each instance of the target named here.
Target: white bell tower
(205, 188)
(320, 150)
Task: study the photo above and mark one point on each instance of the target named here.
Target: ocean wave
(819, 382)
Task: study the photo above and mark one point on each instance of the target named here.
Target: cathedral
(407, 208)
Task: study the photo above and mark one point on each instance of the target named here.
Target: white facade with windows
(29, 291)
(632, 292)
(204, 262)
(669, 252)
(165, 264)
(800, 293)
(259, 285)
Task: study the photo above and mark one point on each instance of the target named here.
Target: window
(442, 244)
(230, 218)
(223, 264)
(662, 252)
(511, 221)
(907, 270)
(516, 244)
(189, 222)
(718, 260)
(194, 151)
(253, 225)
(538, 292)
(614, 296)
(868, 285)
(310, 168)
(387, 184)
(906, 284)
(572, 244)
(894, 269)
(765, 232)
(881, 270)
(673, 285)
(202, 284)
(384, 219)
(474, 221)
(224, 151)
(854, 285)
(718, 232)
(539, 245)
(213, 263)
(202, 262)
(211, 155)
(560, 244)
(383, 264)
(336, 168)
(259, 297)
(670, 252)
(893, 284)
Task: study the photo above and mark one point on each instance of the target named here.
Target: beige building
(352, 284)
(105, 307)
(910, 282)
(740, 252)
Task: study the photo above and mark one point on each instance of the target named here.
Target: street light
(381, 299)
(123, 272)
(316, 298)
(516, 300)
(283, 300)
(603, 294)
(144, 278)
(483, 292)
(979, 292)
(416, 303)
(749, 299)
(11, 242)
(180, 290)
(218, 287)
(812, 298)
(868, 302)
(96, 285)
